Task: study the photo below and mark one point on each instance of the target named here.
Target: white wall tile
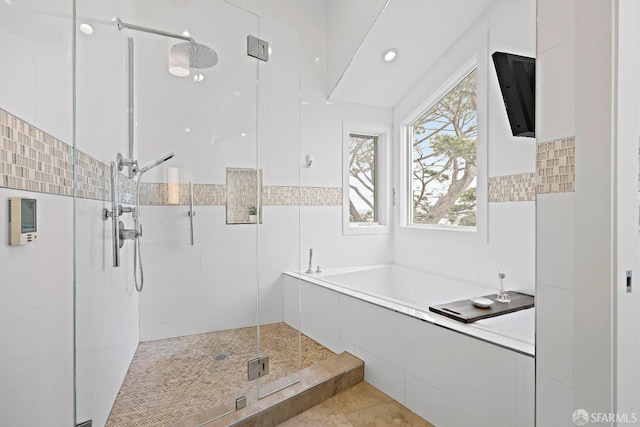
(556, 91)
(438, 408)
(452, 371)
(320, 315)
(374, 329)
(556, 22)
(525, 391)
(554, 403)
(554, 248)
(555, 333)
(382, 375)
(36, 366)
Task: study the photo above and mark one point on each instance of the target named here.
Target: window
(362, 179)
(443, 159)
(365, 177)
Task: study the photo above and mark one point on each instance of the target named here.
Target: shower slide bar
(191, 212)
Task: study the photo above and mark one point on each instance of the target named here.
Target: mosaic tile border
(215, 195)
(556, 166)
(513, 188)
(302, 196)
(33, 160)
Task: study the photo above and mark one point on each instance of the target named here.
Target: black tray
(465, 311)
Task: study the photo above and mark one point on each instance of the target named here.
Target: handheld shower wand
(155, 163)
(137, 250)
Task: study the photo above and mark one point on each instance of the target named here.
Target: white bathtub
(451, 373)
(411, 292)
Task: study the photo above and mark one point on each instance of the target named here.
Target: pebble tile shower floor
(173, 379)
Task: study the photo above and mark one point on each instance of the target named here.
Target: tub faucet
(310, 270)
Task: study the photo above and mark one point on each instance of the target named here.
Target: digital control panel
(23, 221)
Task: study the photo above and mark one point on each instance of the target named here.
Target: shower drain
(219, 356)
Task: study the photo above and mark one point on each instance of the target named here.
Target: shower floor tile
(173, 379)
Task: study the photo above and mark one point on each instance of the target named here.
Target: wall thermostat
(23, 224)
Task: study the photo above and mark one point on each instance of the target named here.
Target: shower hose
(137, 252)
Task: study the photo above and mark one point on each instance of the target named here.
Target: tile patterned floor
(360, 406)
(173, 379)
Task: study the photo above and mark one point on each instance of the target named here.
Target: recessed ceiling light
(390, 55)
(243, 134)
(317, 60)
(187, 130)
(86, 29)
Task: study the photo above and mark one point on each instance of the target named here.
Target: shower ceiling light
(86, 29)
(390, 55)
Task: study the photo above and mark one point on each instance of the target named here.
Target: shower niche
(244, 196)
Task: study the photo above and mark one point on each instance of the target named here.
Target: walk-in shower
(220, 293)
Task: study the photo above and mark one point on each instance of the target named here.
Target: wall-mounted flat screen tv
(517, 80)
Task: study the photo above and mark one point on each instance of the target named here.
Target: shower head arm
(121, 25)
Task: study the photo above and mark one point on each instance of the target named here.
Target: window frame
(382, 132)
(406, 152)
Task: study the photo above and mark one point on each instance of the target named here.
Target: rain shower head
(195, 54)
(155, 163)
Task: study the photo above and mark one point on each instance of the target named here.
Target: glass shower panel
(36, 162)
(278, 233)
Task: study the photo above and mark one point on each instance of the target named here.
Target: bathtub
(451, 373)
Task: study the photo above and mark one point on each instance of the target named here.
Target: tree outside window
(362, 179)
(444, 152)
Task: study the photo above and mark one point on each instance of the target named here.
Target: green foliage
(444, 158)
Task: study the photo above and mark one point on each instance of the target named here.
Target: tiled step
(314, 385)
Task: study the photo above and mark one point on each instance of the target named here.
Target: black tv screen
(517, 80)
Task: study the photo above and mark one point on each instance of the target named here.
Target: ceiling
(421, 31)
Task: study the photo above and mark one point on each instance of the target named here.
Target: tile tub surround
(392, 287)
(173, 379)
(421, 361)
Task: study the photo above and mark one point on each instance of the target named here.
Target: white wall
(348, 23)
(36, 288)
(628, 344)
(508, 242)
